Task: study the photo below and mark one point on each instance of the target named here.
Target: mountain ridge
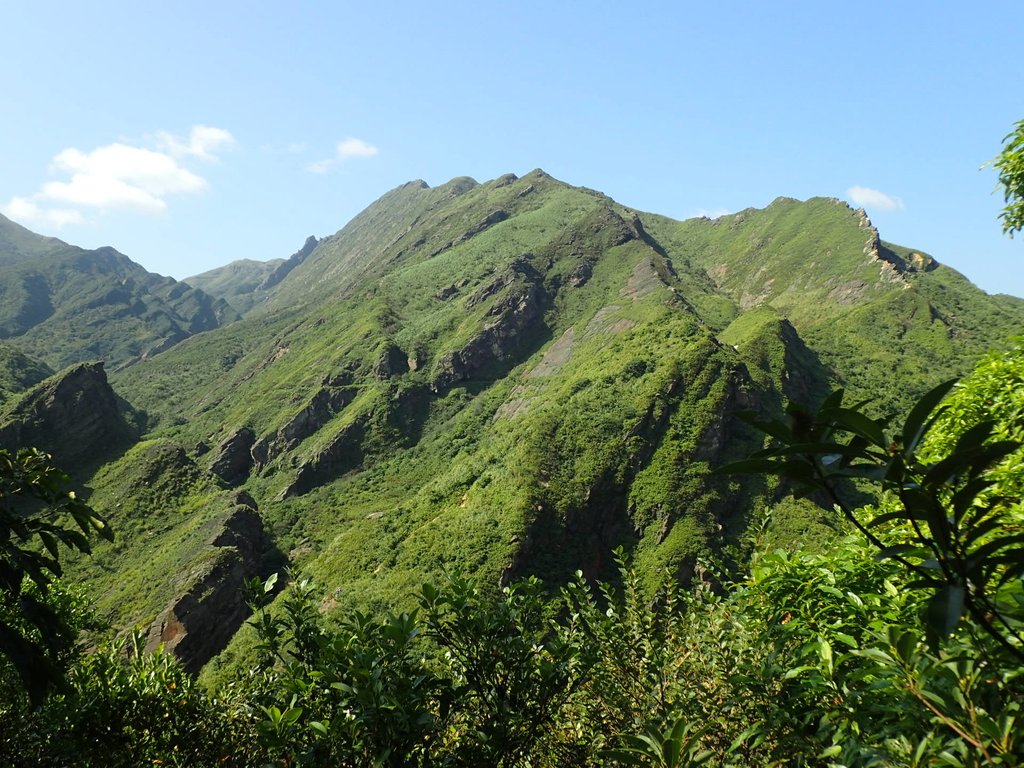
(515, 377)
(67, 304)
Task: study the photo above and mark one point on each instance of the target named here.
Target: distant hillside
(878, 314)
(246, 283)
(513, 378)
(18, 372)
(235, 282)
(64, 304)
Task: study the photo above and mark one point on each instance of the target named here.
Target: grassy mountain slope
(236, 282)
(876, 313)
(515, 377)
(18, 372)
(246, 283)
(479, 395)
(64, 304)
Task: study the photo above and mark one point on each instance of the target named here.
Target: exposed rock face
(343, 454)
(290, 263)
(494, 217)
(447, 292)
(392, 362)
(401, 414)
(197, 626)
(488, 221)
(915, 262)
(579, 276)
(234, 460)
(922, 262)
(506, 323)
(75, 416)
(327, 402)
(451, 290)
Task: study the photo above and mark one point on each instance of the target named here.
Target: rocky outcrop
(395, 420)
(488, 221)
(75, 416)
(451, 290)
(599, 231)
(505, 326)
(333, 396)
(921, 262)
(580, 274)
(344, 453)
(289, 264)
(234, 458)
(198, 624)
(896, 264)
(391, 362)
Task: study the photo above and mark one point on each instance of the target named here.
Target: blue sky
(193, 134)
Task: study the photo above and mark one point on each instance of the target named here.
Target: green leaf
(776, 429)
(319, 727)
(857, 423)
(914, 426)
(834, 400)
(846, 639)
(943, 612)
(976, 458)
(825, 651)
(974, 437)
(50, 542)
(796, 672)
(875, 654)
(905, 645)
(748, 466)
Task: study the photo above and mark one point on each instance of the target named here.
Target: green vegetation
(68, 305)
(488, 388)
(237, 283)
(1010, 164)
(18, 372)
(154, 494)
(35, 504)
(952, 520)
(802, 658)
(513, 379)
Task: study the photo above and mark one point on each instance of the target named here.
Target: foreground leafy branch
(1010, 164)
(947, 526)
(35, 503)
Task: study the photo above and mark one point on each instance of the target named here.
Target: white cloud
(320, 166)
(27, 212)
(873, 198)
(119, 176)
(712, 213)
(203, 141)
(352, 147)
(346, 149)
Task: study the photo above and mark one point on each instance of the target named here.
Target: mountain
(877, 313)
(63, 304)
(73, 415)
(246, 283)
(18, 372)
(510, 378)
(235, 282)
